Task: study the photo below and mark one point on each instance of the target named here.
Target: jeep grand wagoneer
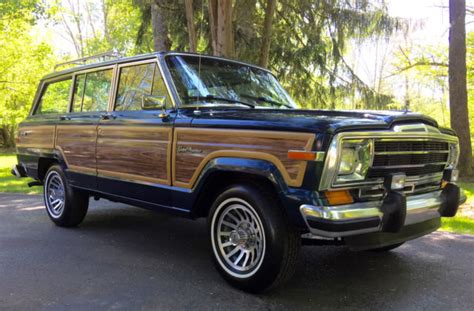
(201, 136)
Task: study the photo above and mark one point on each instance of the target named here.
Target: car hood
(317, 121)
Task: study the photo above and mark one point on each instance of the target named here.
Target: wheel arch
(221, 173)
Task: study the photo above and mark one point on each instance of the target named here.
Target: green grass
(468, 188)
(458, 224)
(10, 183)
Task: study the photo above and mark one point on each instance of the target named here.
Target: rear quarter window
(55, 97)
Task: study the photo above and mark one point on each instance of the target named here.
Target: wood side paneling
(36, 136)
(193, 148)
(77, 144)
(140, 153)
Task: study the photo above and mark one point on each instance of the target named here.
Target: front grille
(414, 158)
(401, 146)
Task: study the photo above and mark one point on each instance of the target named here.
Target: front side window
(55, 97)
(97, 90)
(136, 83)
(211, 81)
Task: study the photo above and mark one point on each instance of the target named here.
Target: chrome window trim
(331, 163)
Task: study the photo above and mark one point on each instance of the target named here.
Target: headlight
(453, 155)
(355, 159)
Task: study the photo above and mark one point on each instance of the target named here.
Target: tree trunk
(161, 41)
(267, 33)
(220, 21)
(213, 24)
(457, 82)
(190, 24)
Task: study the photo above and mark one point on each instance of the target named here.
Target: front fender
(291, 198)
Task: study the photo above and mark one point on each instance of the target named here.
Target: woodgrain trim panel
(139, 130)
(264, 145)
(69, 136)
(37, 136)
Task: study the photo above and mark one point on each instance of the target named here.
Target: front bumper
(366, 217)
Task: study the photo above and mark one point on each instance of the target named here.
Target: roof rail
(114, 54)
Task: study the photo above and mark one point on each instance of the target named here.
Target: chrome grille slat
(408, 165)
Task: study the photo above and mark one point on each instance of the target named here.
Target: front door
(135, 140)
(76, 132)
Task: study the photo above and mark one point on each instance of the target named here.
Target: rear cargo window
(55, 97)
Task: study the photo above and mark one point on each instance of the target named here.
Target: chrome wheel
(238, 237)
(54, 194)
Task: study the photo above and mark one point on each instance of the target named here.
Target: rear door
(76, 133)
(134, 144)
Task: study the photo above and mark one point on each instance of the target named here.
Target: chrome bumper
(366, 217)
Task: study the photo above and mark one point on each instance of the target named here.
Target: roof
(136, 58)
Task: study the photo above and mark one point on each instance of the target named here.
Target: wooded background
(307, 44)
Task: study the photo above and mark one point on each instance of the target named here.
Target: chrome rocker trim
(420, 208)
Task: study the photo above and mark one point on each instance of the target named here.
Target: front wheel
(65, 206)
(254, 246)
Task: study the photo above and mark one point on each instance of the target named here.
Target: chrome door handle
(107, 116)
(64, 118)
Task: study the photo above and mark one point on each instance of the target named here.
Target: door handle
(107, 116)
(64, 118)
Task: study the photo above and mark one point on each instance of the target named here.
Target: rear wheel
(65, 206)
(254, 246)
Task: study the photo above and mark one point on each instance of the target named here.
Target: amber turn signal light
(339, 197)
(305, 155)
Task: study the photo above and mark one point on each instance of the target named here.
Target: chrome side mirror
(151, 102)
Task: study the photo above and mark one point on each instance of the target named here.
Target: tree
(220, 23)
(190, 25)
(267, 33)
(24, 62)
(161, 41)
(457, 82)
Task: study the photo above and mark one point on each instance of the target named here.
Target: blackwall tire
(254, 247)
(65, 206)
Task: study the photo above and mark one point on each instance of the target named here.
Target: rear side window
(138, 81)
(91, 91)
(55, 97)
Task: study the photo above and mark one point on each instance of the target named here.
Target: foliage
(24, 62)
(425, 70)
(10, 183)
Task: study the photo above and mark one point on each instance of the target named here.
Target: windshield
(205, 81)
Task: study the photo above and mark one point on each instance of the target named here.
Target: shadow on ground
(124, 257)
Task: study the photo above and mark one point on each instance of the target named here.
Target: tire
(65, 206)
(254, 247)
(386, 248)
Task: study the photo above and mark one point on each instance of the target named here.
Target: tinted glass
(78, 91)
(135, 82)
(96, 92)
(55, 98)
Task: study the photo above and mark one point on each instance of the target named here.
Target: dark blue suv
(201, 136)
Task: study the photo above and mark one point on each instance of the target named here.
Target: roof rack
(114, 54)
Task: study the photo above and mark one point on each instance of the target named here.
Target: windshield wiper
(212, 97)
(266, 100)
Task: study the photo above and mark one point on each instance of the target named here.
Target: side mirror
(151, 102)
